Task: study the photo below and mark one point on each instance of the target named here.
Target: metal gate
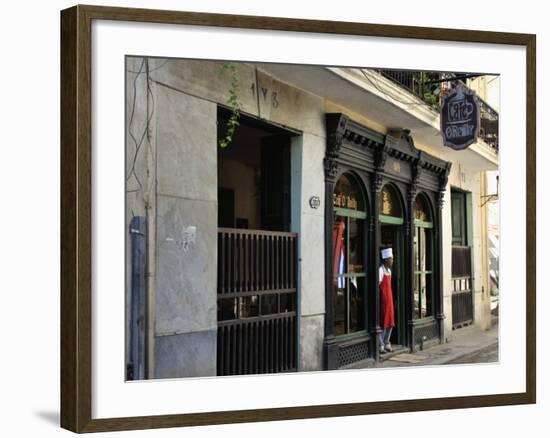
(256, 301)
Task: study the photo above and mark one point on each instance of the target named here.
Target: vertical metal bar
(237, 263)
(277, 262)
(261, 261)
(233, 263)
(283, 344)
(270, 348)
(269, 262)
(265, 262)
(261, 345)
(219, 359)
(287, 343)
(293, 342)
(257, 255)
(233, 349)
(274, 261)
(276, 345)
(266, 345)
(253, 349)
(256, 349)
(292, 262)
(289, 260)
(285, 262)
(253, 262)
(250, 352)
(221, 262)
(241, 264)
(226, 349)
(244, 349)
(219, 282)
(246, 262)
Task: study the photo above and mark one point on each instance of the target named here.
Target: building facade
(262, 256)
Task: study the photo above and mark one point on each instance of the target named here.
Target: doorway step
(397, 349)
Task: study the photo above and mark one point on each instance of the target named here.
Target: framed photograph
(269, 218)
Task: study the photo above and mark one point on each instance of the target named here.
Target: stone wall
(185, 95)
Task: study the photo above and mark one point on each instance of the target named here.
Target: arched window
(348, 256)
(423, 259)
(390, 206)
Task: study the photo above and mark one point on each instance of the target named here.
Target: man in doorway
(387, 320)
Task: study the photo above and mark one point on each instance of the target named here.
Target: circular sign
(314, 202)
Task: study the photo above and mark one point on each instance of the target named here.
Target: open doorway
(257, 253)
(254, 176)
(391, 237)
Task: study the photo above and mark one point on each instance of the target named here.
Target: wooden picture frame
(76, 218)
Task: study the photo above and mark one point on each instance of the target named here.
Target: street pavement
(485, 355)
(468, 345)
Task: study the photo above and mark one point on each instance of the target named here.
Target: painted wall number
(271, 96)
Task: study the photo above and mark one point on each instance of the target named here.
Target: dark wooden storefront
(365, 171)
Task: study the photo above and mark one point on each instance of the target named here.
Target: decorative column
(336, 128)
(377, 183)
(416, 168)
(440, 315)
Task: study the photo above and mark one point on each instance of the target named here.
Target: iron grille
(256, 301)
(425, 333)
(353, 353)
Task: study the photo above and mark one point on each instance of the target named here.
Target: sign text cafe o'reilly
(460, 118)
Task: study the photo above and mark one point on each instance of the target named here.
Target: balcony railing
(418, 83)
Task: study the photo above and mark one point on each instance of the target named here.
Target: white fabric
(387, 253)
(381, 271)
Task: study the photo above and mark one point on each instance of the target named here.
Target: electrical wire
(145, 132)
(150, 71)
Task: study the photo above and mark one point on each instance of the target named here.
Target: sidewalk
(467, 343)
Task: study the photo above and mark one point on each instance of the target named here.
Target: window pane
(389, 202)
(429, 252)
(416, 296)
(347, 194)
(416, 248)
(422, 295)
(356, 245)
(422, 250)
(357, 303)
(422, 209)
(458, 215)
(339, 302)
(429, 295)
(339, 259)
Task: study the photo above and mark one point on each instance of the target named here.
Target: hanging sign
(459, 118)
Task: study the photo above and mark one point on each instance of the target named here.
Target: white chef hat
(387, 253)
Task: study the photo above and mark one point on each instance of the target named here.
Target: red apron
(386, 303)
